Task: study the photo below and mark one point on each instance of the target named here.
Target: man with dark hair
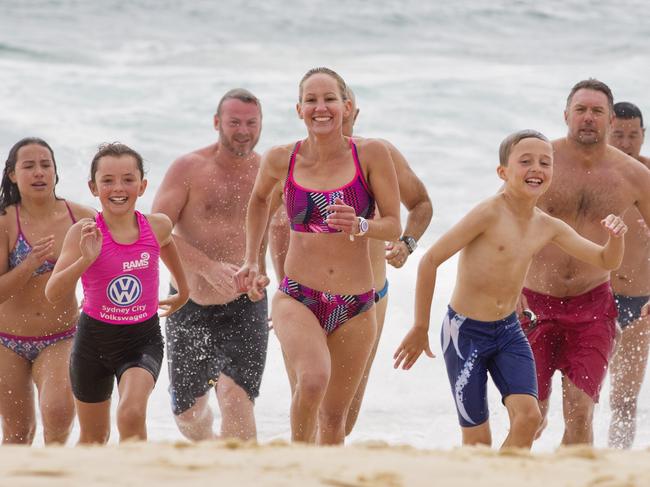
(219, 337)
(576, 314)
(631, 285)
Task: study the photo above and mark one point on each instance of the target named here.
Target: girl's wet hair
(9, 193)
(343, 89)
(513, 139)
(115, 149)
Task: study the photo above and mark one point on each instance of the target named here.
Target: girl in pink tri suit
(320, 313)
(118, 335)
(35, 337)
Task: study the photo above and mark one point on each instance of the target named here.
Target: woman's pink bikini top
(307, 208)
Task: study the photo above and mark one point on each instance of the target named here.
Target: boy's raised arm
(607, 257)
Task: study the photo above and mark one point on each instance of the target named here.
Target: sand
(278, 464)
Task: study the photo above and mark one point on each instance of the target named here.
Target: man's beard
(236, 147)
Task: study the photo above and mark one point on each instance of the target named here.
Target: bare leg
(543, 409)
(16, 399)
(355, 407)
(525, 420)
(52, 378)
(477, 435)
(196, 422)
(349, 348)
(237, 415)
(136, 385)
(94, 421)
(578, 410)
(627, 372)
(307, 359)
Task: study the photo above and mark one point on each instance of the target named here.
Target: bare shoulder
(278, 156)
(372, 147)
(159, 221)
(373, 154)
(488, 210)
(81, 211)
(645, 160)
(187, 164)
(161, 225)
(7, 219)
(633, 170)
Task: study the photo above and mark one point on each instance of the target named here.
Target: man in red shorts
(575, 326)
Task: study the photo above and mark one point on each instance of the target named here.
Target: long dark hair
(9, 193)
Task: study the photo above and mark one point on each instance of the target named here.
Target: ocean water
(444, 81)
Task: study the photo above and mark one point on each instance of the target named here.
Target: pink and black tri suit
(118, 328)
(307, 212)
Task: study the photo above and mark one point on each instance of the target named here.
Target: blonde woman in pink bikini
(322, 311)
(118, 337)
(35, 337)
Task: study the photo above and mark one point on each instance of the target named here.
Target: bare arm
(257, 215)
(278, 234)
(216, 273)
(174, 190)
(413, 195)
(608, 257)
(383, 182)
(415, 198)
(81, 247)
(643, 201)
(162, 227)
(458, 237)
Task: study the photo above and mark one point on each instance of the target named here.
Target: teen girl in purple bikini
(320, 311)
(35, 337)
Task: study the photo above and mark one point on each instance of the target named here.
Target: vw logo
(124, 290)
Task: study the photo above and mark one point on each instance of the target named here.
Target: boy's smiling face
(530, 167)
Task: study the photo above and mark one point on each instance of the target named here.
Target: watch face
(363, 225)
(410, 242)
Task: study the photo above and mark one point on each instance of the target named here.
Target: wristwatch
(363, 226)
(411, 243)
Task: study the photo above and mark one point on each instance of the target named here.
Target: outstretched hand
(342, 217)
(614, 225)
(171, 304)
(90, 242)
(415, 342)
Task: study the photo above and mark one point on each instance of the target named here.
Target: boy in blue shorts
(481, 332)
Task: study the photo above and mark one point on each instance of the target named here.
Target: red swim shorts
(575, 335)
